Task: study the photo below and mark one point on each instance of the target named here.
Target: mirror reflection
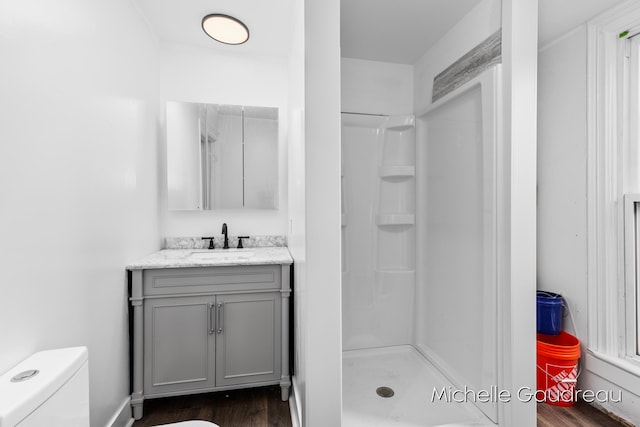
(221, 156)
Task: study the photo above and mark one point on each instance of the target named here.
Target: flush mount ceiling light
(225, 29)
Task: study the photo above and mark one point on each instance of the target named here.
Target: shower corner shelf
(395, 219)
(397, 171)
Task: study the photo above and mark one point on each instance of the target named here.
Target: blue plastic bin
(549, 313)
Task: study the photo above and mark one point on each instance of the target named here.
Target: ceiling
(179, 21)
(396, 30)
(402, 30)
(382, 30)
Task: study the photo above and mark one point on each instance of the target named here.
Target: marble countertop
(180, 258)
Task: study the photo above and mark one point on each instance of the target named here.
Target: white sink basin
(221, 255)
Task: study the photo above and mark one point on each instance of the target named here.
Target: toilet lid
(194, 423)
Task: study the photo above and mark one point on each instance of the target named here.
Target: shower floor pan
(411, 379)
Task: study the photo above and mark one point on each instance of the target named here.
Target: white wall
(78, 181)
(562, 172)
(375, 87)
(193, 74)
(517, 208)
(562, 201)
(482, 21)
(315, 228)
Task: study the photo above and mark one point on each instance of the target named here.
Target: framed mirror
(221, 156)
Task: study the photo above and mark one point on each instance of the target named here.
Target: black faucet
(226, 238)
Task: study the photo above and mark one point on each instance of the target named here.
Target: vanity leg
(137, 397)
(285, 378)
(136, 405)
(284, 392)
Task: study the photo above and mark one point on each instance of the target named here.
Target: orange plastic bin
(557, 371)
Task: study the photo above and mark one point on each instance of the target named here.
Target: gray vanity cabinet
(209, 328)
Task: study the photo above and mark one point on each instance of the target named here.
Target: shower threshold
(412, 380)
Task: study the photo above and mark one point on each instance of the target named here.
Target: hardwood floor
(255, 407)
(262, 407)
(579, 415)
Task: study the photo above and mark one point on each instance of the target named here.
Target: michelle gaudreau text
(524, 394)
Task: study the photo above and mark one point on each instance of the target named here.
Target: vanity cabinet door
(248, 343)
(179, 348)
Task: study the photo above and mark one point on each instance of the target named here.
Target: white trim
(609, 168)
(628, 408)
(517, 177)
(122, 416)
(605, 177)
(601, 157)
(614, 374)
(628, 371)
(294, 406)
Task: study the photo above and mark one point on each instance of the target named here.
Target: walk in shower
(419, 236)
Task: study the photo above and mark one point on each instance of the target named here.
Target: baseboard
(294, 405)
(122, 416)
(617, 385)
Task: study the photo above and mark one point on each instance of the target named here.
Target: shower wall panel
(378, 236)
(456, 220)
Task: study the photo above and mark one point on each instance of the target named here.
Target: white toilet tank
(57, 395)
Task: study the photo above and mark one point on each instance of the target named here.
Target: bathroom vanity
(208, 320)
